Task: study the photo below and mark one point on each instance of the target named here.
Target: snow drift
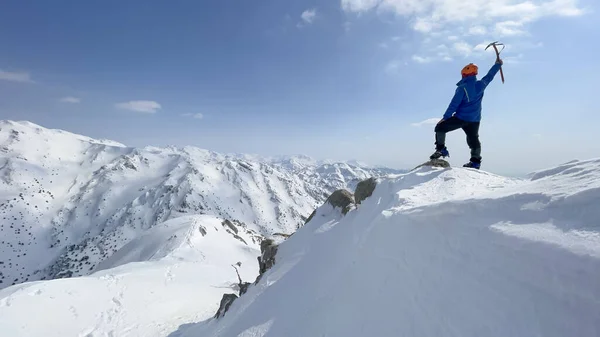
(437, 252)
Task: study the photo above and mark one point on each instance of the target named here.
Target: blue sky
(344, 79)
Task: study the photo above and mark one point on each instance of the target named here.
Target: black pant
(471, 129)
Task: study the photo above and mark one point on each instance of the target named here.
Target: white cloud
(15, 77)
(139, 106)
(481, 46)
(393, 66)
(462, 48)
(509, 28)
(424, 25)
(477, 30)
(513, 59)
(427, 122)
(445, 20)
(359, 5)
(309, 15)
(444, 12)
(70, 99)
(196, 115)
(421, 59)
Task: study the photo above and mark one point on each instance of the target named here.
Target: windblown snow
(150, 240)
(437, 252)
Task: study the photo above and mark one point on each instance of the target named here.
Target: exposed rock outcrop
(244, 287)
(226, 302)
(283, 235)
(229, 224)
(342, 199)
(266, 260)
(435, 163)
(311, 216)
(268, 248)
(364, 189)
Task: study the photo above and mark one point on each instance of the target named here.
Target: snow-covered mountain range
(433, 252)
(68, 203)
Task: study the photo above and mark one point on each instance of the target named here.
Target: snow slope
(69, 202)
(437, 252)
(174, 274)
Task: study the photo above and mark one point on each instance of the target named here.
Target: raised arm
(491, 73)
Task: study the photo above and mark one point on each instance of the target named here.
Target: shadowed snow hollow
(437, 252)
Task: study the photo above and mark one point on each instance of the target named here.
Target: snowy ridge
(437, 252)
(69, 202)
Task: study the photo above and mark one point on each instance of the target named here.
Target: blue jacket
(468, 95)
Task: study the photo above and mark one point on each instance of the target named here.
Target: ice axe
(494, 44)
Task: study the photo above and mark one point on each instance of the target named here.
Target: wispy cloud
(427, 122)
(393, 66)
(436, 14)
(192, 115)
(513, 59)
(462, 48)
(421, 59)
(477, 30)
(70, 99)
(15, 76)
(443, 20)
(139, 106)
(307, 17)
(347, 26)
(510, 28)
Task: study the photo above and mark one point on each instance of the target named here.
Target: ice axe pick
(495, 44)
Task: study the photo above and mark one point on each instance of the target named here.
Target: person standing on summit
(464, 112)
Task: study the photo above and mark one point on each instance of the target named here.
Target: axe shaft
(497, 58)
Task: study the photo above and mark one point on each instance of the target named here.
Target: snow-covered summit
(56, 137)
(437, 252)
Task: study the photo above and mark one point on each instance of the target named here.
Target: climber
(464, 112)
